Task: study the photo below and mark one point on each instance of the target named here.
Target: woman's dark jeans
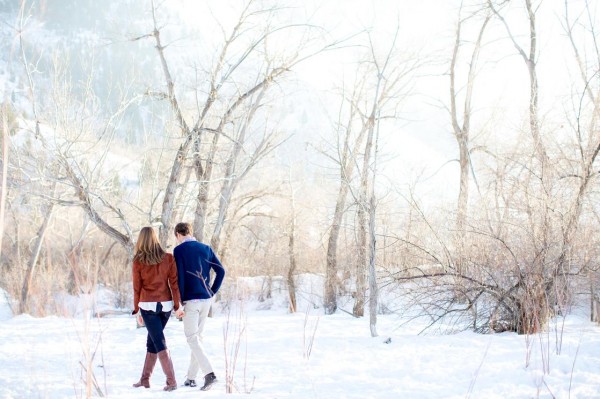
(155, 324)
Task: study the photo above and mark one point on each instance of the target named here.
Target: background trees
(311, 139)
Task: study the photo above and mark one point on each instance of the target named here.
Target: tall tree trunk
(530, 60)
(373, 288)
(463, 200)
(171, 192)
(534, 315)
(347, 163)
(531, 63)
(173, 184)
(330, 294)
(588, 150)
(384, 83)
(204, 175)
(292, 255)
(361, 261)
(4, 187)
(232, 175)
(35, 254)
(462, 133)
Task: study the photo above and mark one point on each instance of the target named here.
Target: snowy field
(40, 358)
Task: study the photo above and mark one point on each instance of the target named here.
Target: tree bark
(373, 288)
(4, 187)
(35, 254)
(462, 134)
(292, 255)
(361, 261)
(232, 174)
(347, 162)
(380, 95)
(176, 169)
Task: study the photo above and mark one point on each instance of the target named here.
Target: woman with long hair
(155, 294)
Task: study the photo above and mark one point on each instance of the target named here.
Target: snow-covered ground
(40, 358)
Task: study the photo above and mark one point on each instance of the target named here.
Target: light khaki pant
(196, 313)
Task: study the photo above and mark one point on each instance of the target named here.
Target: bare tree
(292, 251)
(462, 131)
(389, 86)
(530, 58)
(585, 126)
(236, 169)
(378, 84)
(62, 160)
(373, 287)
(245, 207)
(29, 274)
(530, 281)
(220, 109)
(347, 161)
(4, 187)
(33, 260)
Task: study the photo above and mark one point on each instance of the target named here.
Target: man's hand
(179, 313)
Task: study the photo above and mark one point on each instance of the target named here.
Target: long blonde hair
(147, 248)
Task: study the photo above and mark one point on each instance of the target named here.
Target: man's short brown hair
(185, 229)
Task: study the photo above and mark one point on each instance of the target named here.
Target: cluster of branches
(519, 254)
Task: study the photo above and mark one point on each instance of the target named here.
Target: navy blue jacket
(194, 261)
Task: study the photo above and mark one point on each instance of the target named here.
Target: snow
(98, 300)
(301, 355)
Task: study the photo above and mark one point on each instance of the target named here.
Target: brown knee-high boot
(147, 371)
(167, 366)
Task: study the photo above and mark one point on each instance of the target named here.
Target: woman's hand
(140, 320)
(179, 313)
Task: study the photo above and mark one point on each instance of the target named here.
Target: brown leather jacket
(155, 283)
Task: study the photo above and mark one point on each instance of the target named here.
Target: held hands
(179, 313)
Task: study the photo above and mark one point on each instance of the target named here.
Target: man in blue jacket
(194, 262)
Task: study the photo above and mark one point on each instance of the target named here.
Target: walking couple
(181, 282)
